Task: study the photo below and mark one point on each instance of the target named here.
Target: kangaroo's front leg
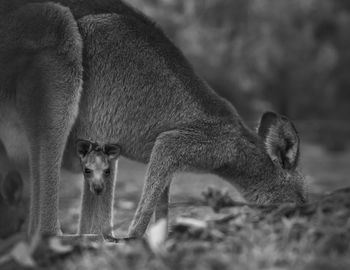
(172, 152)
(47, 91)
(162, 208)
(159, 176)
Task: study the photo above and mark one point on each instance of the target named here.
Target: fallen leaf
(21, 253)
(191, 222)
(56, 245)
(157, 235)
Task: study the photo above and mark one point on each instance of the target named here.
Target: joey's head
(12, 207)
(281, 142)
(97, 163)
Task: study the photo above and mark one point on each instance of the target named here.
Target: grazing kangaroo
(139, 92)
(98, 163)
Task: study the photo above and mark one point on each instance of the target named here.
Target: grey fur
(99, 165)
(140, 92)
(97, 210)
(40, 84)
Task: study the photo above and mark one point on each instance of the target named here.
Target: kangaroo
(98, 163)
(103, 72)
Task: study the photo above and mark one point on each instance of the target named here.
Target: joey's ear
(12, 188)
(83, 148)
(112, 150)
(281, 139)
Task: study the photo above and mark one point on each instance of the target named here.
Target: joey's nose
(97, 189)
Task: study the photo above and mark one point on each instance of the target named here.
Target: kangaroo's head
(282, 143)
(97, 163)
(12, 207)
(265, 166)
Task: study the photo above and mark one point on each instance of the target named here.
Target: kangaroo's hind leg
(48, 86)
(47, 131)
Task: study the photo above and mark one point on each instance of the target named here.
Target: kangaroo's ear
(112, 150)
(83, 148)
(281, 139)
(12, 188)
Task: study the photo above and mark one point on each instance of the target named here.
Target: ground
(316, 236)
(325, 172)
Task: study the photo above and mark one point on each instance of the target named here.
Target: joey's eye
(107, 172)
(87, 171)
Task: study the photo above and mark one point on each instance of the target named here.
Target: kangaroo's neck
(248, 167)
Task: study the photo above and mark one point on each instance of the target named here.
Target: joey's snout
(97, 188)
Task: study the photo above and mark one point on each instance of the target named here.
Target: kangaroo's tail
(29, 30)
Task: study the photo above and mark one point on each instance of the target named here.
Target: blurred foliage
(288, 56)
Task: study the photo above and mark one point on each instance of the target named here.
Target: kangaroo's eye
(87, 171)
(107, 172)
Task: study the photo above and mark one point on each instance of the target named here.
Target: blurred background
(289, 56)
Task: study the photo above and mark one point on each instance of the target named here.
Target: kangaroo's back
(137, 84)
(79, 8)
(141, 84)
